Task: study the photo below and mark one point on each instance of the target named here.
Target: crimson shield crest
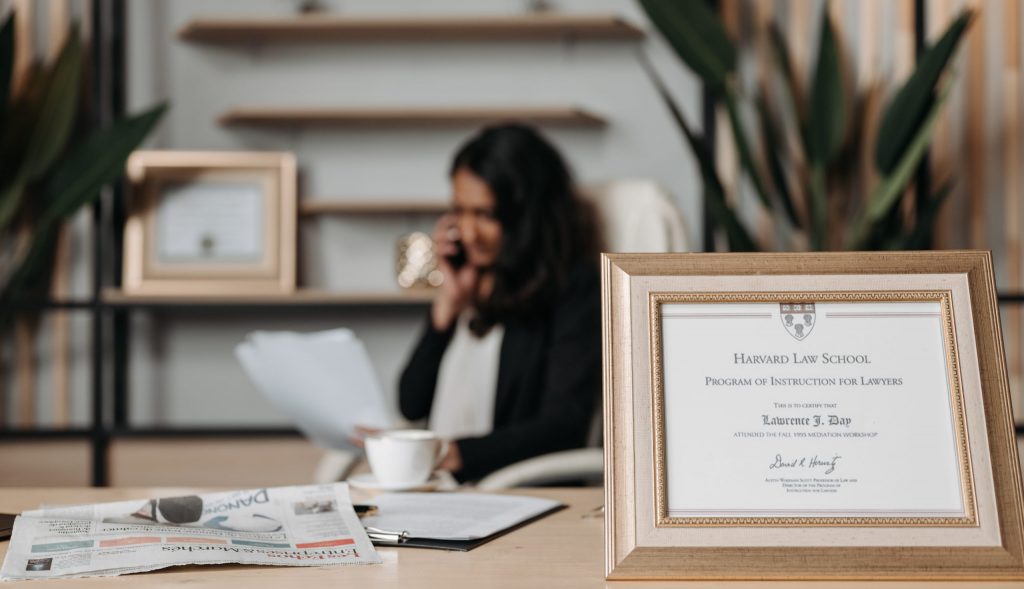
(798, 319)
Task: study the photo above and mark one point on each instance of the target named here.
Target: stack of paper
(324, 381)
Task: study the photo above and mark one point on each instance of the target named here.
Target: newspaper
(311, 525)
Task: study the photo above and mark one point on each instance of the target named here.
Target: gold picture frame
(210, 223)
(695, 485)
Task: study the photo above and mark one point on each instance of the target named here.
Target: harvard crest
(798, 319)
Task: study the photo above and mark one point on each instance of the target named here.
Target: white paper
(848, 415)
(311, 525)
(211, 221)
(323, 380)
(454, 516)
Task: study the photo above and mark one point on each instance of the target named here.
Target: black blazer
(549, 377)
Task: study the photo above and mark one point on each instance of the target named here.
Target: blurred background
(770, 125)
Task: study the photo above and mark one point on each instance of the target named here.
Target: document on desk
(312, 525)
(323, 380)
(452, 521)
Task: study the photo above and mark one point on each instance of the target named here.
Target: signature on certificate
(806, 462)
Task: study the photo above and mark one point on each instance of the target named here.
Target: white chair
(635, 216)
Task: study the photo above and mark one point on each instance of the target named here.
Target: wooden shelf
(526, 27)
(300, 298)
(274, 116)
(369, 207)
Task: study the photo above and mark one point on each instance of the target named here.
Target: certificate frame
(251, 203)
(642, 541)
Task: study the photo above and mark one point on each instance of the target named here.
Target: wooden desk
(562, 550)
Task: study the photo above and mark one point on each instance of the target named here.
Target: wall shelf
(438, 116)
(116, 297)
(313, 207)
(525, 27)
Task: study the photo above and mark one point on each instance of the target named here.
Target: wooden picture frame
(210, 223)
(731, 454)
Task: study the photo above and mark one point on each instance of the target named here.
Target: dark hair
(546, 228)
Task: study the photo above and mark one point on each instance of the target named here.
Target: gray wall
(182, 368)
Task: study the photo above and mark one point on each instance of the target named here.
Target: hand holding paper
(324, 381)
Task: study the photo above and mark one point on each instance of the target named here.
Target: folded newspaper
(311, 525)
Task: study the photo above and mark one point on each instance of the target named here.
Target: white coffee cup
(404, 458)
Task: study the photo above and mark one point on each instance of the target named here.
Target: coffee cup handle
(442, 452)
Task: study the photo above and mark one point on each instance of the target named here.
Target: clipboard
(402, 539)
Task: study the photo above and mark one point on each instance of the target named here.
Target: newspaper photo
(313, 525)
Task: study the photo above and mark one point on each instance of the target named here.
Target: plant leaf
(57, 108)
(920, 238)
(746, 154)
(6, 66)
(773, 146)
(714, 197)
(98, 160)
(886, 194)
(827, 117)
(10, 198)
(817, 206)
(793, 90)
(32, 273)
(714, 193)
(697, 36)
(911, 105)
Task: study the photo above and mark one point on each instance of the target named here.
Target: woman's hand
(359, 439)
(460, 284)
(452, 461)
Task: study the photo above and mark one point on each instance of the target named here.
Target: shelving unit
(312, 207)
(377, 117)
(527, 27)
(115, 297)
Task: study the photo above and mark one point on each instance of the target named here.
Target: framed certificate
(211, 223)
(808, 416)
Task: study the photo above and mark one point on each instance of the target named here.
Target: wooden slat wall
(57, 31)
(1012, 184)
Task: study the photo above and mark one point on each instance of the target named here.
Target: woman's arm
(419, 379)
(571, 386)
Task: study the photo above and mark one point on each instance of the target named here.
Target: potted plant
(801, 161)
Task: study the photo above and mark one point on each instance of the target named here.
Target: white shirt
(467, 382)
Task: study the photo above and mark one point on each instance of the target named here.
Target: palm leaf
(920, 238)
(746, 154)
(6, 66)
(793, 88)
(714, 194)
(697, 36)
(772, 141)
(827, 117)
(97, 161)
(57, 109)
(911, 105)
(888, 191)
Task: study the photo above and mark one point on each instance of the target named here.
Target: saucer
(369, 482)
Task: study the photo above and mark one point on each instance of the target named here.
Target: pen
(379, 535)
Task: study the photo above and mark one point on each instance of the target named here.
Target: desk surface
(562, 550)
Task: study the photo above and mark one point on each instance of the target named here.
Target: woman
(509, 365)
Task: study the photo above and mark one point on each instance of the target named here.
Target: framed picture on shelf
(210, 223)
(808, 416)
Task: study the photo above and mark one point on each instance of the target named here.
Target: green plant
(49, 165)
(807, 152)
